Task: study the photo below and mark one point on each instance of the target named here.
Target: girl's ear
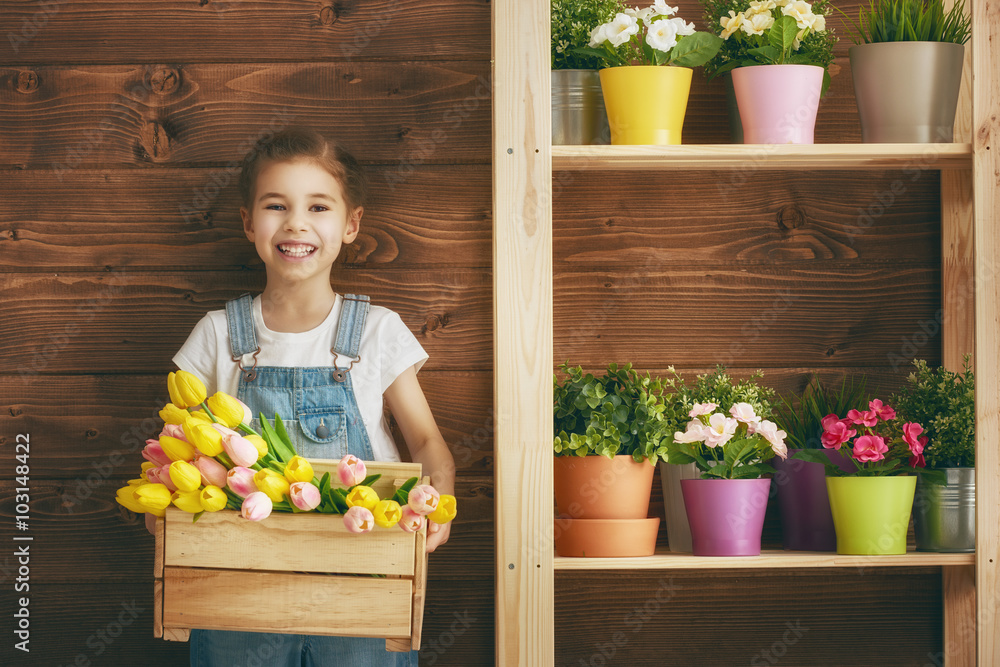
(353, 224)
(247, 223)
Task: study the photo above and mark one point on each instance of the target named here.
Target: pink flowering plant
(876, 442)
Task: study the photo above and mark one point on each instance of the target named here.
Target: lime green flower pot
(871, 514)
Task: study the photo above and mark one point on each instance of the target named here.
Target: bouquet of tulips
(207, 458)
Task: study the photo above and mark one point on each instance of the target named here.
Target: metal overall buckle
(248, 375)
(340, 374)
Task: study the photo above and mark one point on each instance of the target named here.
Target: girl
(323, 361)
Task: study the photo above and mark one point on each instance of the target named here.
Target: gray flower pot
(907, 92)
(578, 115)
(678, 528)
(944, 517)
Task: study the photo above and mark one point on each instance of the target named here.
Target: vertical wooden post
(522, 332)
(986, 182)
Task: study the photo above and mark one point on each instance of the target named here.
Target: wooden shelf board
(666, 560)
(764, 156)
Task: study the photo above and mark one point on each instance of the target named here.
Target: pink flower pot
(778, 103)
(726, 515)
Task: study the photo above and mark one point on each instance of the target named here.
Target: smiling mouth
(296, 249)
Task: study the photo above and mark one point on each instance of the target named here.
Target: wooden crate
(291, 573)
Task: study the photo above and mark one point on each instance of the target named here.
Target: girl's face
(299, 221)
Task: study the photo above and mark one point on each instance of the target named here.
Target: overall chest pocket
(323, 425)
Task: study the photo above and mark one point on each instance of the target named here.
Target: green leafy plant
(910, 21)
(802, 418)
(572, 21)
(770, 32)
(621, 412)
(945, 404)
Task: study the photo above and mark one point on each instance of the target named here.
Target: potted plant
(778, 52)
(871, 497)
(806, 521)
(609, 434)
(648, 55)
(730, 443)
(944, 516)
(907, 69)
(578, 115)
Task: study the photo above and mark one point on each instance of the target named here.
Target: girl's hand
(437, 535)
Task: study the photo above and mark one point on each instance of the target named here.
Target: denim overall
(322, 418)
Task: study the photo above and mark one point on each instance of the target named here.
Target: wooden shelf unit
(778, 560)
(523, 163)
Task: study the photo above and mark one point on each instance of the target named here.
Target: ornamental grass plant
(910, 21)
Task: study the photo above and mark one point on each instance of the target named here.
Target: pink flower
(917, 461)
(240, 450)
(744, 412)
(423, 499)
(911, 436)
(304, 495)
(837, 434)
(212, 472)
(695, 432)
(720, 429)
(769, 430)
(256, 506)
(351, 470)
(411, 522)
(161, 475)
(701, 409)
(829, 421)
(869, 448)
(883, 412)
(867, 418)
(240, 480)
(153, 453)
(225, 431)
(173, 431)
(359, 519)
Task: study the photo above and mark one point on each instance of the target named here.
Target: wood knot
(154, 141)
(328, 15)
(164, 81)
(791, 217)
(434, 322)
(91, 433)
(8, 235)
(27, 82)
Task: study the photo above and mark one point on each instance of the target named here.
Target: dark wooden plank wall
(118, 127)
(119, 228)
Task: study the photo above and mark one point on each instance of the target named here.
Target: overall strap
(353, 314)
(242, 337)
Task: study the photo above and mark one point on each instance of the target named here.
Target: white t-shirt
(387, 349)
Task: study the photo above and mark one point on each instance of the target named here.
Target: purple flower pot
(806, 521)
(726, 515)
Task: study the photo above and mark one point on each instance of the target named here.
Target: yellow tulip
(446, 510)
(177, 449)
(363, 496)
(298, 470)
(171, 414)
(146, 465)
(186, 390)
(127, 500)
(153, 498)
(259, 443)
(203, 436)
(201, 416)
(138, 482)
(226, 409)
(272, 484)
(387, 513)
(185, 476)
(189, 501)
(213, 499)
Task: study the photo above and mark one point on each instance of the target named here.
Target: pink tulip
(174, 431)
(351, 470)
(212, 472)
(411, 522)
(256, 507)
(304, 495)
(359, 519)
(423, 499)
(240, 480)
(225, 431)
(161, 475)
(870, 448)
(153, 453)
(240, 450)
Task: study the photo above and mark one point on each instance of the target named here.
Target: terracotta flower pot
(606, 538)
(596, 487)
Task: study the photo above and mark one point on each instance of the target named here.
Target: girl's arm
(409, 407)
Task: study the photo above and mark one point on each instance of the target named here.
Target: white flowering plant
(651, 36)
(571, 23)
(771, 32)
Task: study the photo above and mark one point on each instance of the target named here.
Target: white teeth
(296, 250)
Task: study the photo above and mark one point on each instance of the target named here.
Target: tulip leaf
(282, 451)
(402, 495)
(279, 427)
(324, 484)
(197, 516)
(339, 499)
(371, 479)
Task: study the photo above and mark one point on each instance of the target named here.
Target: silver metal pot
(907, 92)
(578, 115)
(944, 517)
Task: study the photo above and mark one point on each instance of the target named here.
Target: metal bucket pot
(944, 517)
(578, 116)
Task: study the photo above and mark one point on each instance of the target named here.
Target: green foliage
(572, 21)
(620, 412)
(801, 419)
(944, 403)
(718, 387)
(910, 21)
(691, 50)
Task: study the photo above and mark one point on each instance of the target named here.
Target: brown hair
(301, 143)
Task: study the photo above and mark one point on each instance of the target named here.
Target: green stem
(246, 429)
(224, 459)
(204, 405)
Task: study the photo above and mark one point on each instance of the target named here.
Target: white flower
(598, 35)
(757, 24)
(797, 42)
(621, 29)
(761, 6)
(769, 430)
(781, 3)
(701, 409)
(730, 24)
(683, 27)
(662, 35)
(695, 432)
(816, 22)
(744, 412)
(720, 429)
(640, 14)
(799, 10)
(661, 8)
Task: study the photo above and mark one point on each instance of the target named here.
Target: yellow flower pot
(645, 103)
